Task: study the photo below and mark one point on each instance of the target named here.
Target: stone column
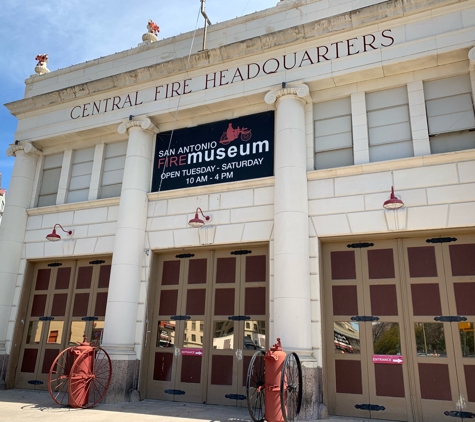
(291, 290)
(292, 318)
(126, 271)
(12, 232)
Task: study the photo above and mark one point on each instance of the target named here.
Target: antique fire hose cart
(80, 376)
(274, 385)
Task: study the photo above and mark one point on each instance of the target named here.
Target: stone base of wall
(124, 382)
(3, 370)
(312, 398)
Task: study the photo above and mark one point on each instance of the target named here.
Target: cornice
(393, 165)
(344, 22)
(74, 206)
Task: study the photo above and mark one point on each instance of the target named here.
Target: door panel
(44, 337)
(178, 331)
(348, 384)
(421, 290)
(363, 288)
(389, 382)
(63, 299)
(209, 319)
(439, 375)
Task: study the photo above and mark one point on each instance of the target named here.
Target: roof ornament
(40, 67)
(152, 34)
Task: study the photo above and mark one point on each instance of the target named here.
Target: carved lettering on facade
(310, 57)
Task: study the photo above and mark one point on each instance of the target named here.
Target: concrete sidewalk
(33, 405)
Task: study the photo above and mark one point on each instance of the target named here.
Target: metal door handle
(450, 318)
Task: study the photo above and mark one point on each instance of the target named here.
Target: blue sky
(74, 31)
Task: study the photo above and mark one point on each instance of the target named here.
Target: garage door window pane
(333, 134)
(430, 339)
(113, 170)
(50, 180)
(388, 125)
(346, 337)
(450, 114)
(81, 169)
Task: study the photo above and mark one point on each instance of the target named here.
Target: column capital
(26, 147)
(471, 58)
(144, 124)
(301, 91)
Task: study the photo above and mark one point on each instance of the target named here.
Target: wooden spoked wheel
(90, 378)
(58, 378)
(255, 387)
(291, 388)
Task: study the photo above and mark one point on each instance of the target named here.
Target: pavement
(34, 405)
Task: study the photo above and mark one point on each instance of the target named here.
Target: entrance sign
(388, 359)
(219, 152)
(191, 352)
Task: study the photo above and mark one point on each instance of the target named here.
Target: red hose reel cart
(274, 385)
(80, 376)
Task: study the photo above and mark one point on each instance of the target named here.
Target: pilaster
(64, 177)
(97, 167)
(360, 128)
(418, 117)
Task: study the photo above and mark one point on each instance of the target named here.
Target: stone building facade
(289, 132)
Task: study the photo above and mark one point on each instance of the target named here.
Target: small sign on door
(191, 352)
(388, 359)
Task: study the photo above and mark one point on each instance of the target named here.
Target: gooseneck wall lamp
(54, 237)
(198, 222)
(393, 203)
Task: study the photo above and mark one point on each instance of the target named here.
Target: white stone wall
(93, 229)
(438, 193)
(238, 216)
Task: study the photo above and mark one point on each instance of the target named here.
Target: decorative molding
(300, 91)
(392, 165)
(145, 124)
(471, 58)
(74, 206)
(26, 147)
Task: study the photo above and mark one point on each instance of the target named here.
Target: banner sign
(219, 152)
